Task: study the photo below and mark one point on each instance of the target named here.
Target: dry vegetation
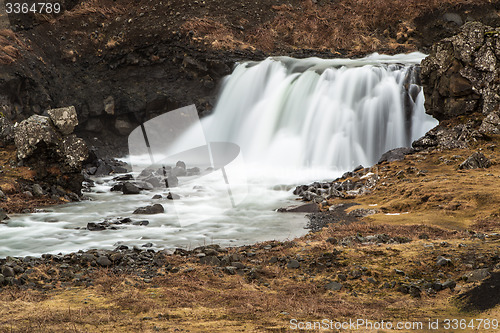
(358, 26)
(10, 47)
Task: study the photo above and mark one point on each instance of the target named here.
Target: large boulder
(46, 145)
(461, 75)
(65, 119)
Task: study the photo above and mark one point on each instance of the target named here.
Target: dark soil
(483, 297)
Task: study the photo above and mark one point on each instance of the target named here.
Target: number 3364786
(35, 8)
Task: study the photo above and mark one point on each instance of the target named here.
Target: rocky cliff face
(461, 80)
(462, 76)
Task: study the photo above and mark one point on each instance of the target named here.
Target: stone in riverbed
(152, 209)
(173, 196)
(95, 226)
(309, 207)
(104, 261)
(3, 215)
(178, 171)
(8, 271)
(172, 181)
(129, 188)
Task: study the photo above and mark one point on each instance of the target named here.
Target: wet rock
(310, 207)
(157, 197)
(334, 286)
(180, 164)
(172, 181)
(154, 181)
(178, 172)
(117, 188)
(104, 261)
(129, 188)
(95, 226)
(475, 161)
(173, 196)
(152, 209)
(210, 260)
(397, 154)
(141, 223)
(65, 119)
(124, 177)
(8, 271)
(3, 215)
(103, 169)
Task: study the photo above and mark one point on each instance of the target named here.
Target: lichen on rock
(65, 119)
(462, 74)
(46, 145)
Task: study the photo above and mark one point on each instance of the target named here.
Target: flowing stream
(295, 121)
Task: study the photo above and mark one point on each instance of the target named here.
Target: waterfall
(321, 113)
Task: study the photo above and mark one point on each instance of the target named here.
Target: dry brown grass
(358, 26)
(10, 47)
(214, 33)
(347, 24)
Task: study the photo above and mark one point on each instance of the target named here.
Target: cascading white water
(284, 114)
(320, 113)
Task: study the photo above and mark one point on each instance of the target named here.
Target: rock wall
(461, 77)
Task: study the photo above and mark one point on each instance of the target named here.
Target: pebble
(334, 286)
(442, 261)
(104, 261)
(293, 264)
